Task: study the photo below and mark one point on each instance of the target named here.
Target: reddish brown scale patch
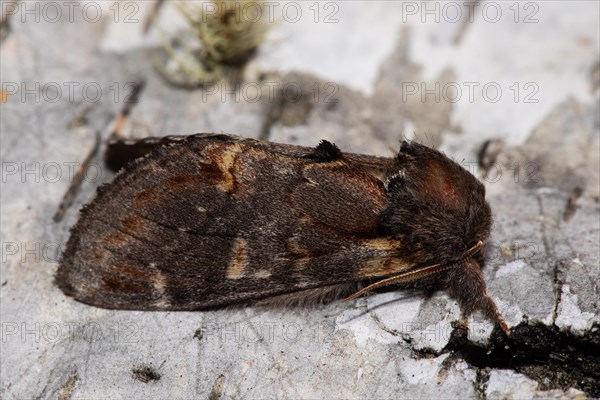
(131, 272)
(449, 189)
(117, 284)
(147, 197)
(133, 225)
(440, 186)
(211, 172)
(450, 193)
(116, 239)
(97, 255)
(183, 182)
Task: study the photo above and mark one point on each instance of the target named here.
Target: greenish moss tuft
(224, 35)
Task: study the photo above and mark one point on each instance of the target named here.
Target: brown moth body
(209, 220)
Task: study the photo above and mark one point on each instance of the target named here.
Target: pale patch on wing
(239, 259)
(225, 164)
(295, 247)
(333, 164)
(382, 244)
(382, 266)
(159, 281)
(262, 274)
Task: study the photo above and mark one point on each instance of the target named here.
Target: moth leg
(489, 308)
(467, 285)
(463, 323)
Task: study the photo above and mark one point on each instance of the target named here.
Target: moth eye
(395, 182)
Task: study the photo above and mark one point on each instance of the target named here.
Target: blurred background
(508, 88)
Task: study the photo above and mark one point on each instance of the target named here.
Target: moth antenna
(420, 273)
(405, 277)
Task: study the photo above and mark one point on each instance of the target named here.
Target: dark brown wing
(122, 151)
(212, 220)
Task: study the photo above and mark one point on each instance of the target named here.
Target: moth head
(435, 206)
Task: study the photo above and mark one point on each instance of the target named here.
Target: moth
(211, 220)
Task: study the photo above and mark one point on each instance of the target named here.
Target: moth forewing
(212, 220)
